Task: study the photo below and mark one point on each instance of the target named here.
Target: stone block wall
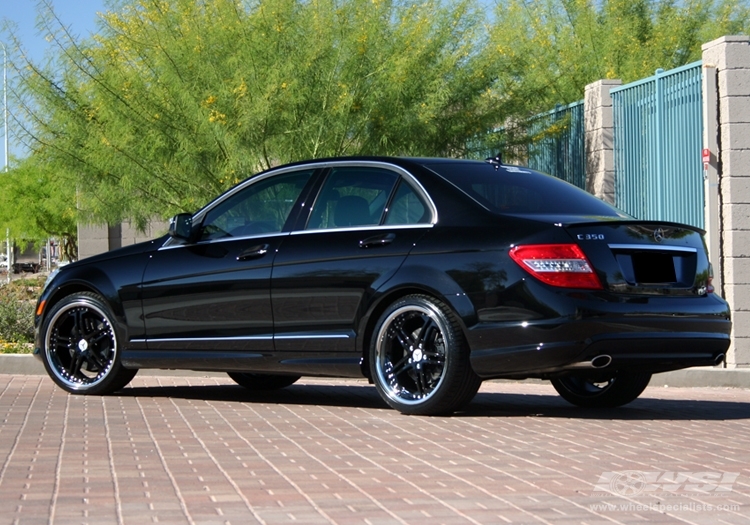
(599, 140)
(729, 59)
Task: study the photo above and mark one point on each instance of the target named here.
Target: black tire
(262, 381)
(419, 358)
(81, 347)
(595, 392)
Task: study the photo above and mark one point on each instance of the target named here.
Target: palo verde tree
(172, 102)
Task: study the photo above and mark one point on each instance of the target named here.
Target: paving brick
(202, 450)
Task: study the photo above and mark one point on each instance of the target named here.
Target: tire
(81, 348)
(262, 381)
(419, 358)
(590, 392)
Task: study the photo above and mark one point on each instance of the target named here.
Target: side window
(407, 207)
(260, 208)
(352, 196)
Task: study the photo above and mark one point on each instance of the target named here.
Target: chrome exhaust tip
(601, 361)
(719, 359)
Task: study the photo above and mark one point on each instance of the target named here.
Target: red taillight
(562, 265)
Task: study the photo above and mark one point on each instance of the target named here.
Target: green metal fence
(551, 142)
(557, 143)
(658, 128)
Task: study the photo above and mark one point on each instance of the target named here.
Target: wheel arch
(411, 281)
(85, 279)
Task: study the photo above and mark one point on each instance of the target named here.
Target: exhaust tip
(601, 361)
(719, 359)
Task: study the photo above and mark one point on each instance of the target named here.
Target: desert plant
(17, 302)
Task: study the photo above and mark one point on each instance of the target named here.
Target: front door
(209, 299)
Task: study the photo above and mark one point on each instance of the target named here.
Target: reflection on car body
(426, 276)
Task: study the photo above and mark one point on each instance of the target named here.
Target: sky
(79, 15)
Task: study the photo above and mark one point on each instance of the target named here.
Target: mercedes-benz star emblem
(658, 235)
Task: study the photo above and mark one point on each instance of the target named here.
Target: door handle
(378, 240)
(254, 252)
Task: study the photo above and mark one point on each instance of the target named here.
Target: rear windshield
(511, 189)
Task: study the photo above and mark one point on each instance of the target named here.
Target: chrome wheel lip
(82, 345)
(397, 392)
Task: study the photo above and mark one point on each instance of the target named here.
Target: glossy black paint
(305, 302)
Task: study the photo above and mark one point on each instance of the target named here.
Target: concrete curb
(691, 377)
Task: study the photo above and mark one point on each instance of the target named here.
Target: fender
(117, 283)
(409, 279)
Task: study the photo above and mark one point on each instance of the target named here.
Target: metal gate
(658, 134)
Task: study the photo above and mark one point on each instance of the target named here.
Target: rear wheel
(81, 347)
(262, 381)
(595, 392)
(420, 360)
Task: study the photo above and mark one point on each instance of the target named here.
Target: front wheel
(593, 392)
(81, 350)
(420, 360)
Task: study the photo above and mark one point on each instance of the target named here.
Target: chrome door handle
(254, 252)
(377, 240)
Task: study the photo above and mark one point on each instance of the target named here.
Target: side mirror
(181, 226)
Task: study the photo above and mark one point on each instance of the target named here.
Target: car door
(210, 298)
(363, 223)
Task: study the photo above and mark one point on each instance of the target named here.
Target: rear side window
(509, 189)
(352, 196)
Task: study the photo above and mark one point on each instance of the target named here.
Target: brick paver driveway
(201, 450)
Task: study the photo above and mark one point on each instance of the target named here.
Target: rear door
(364, 221)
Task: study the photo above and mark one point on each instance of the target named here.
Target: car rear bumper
(643, 343)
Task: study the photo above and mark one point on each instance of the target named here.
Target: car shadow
(485, 404)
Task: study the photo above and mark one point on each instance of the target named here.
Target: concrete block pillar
(728, 58)
(131, 235)
(92, 240)
(600, 153)
(96, 239)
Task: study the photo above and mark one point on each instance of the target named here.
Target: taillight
(562, 265)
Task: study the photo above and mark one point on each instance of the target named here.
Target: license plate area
(657, 266)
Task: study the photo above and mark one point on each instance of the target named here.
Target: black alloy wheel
(419, 358)
(262, 381)
(593, 392)
(81, 350)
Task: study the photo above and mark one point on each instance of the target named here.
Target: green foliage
(17, 302)
(172, 102)
(553, 48)
(37, 203)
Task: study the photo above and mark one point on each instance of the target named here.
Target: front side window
(260, 208)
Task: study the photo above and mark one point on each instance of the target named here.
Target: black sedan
(426, 276)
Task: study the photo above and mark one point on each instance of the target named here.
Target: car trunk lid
(641, 257)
